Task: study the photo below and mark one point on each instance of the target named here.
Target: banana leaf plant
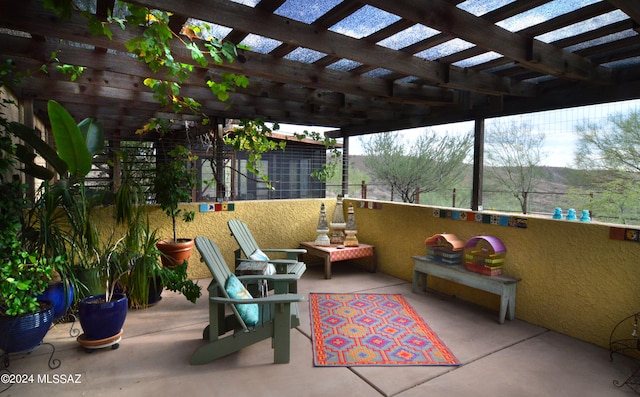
(76, 144)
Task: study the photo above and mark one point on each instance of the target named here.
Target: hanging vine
(154, 48)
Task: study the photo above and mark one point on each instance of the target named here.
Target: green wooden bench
(278, 313)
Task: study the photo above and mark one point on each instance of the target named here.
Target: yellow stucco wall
(575, 279)
(274, 224)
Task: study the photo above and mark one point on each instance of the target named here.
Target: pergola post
(28, 119)
(218, 125)
(345, 165)
(478, 165)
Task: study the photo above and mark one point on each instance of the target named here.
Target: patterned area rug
(372, 329)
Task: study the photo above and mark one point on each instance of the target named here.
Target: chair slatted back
(214, 260)
(243, 236)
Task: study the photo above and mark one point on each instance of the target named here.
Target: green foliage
(616, 200)
(73, 71)
(429, 164)
(356, 177)
(22, 277)
(253, 136)
(173, 184)
(154, 49)
(137, 258)
(33, 141)
(137, 263)
(514, 153)
(70, 233)
(613, 146)
(22, 274)
(328, 169)
(175, 279)
(70, 143)
(63, 8)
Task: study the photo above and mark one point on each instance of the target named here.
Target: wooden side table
(331, 253)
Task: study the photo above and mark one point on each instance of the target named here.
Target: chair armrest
(280, 298)
(272, 277)
(286, 250)
(284, 261)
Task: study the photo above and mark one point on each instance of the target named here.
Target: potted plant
(146, 278)
(76, 144)
(102, 316)
(24, 320)
(44, 235)
(173, 184)
(71, 231)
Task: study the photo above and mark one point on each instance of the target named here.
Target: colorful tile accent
(624, 234)
(501, 220)
(631, 235)
(217, 207)
(370, 205)
(616, 233)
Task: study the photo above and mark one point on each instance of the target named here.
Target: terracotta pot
(175, 252)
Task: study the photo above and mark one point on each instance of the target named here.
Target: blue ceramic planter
(55, 294)
(25, 332)
(101, 320)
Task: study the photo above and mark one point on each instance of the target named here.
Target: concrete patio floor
(513, 359)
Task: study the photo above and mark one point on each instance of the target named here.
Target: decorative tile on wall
(217, 207)
(372, 205)
(624, 234)
(500, 220)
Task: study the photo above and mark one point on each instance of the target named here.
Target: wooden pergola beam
(536, 55)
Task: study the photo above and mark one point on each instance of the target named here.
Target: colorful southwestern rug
(372, 329)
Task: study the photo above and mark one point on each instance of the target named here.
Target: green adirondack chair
(228, 333)
(249, 250)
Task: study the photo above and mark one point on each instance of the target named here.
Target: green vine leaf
(154, 48)
(196, 54)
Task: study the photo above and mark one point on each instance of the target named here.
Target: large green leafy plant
(23, 275)
(75, 146)
(61, 223)
(139, 254)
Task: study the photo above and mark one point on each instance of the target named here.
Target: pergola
(357, 66)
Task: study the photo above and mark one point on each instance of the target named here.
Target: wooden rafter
(528, 75)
